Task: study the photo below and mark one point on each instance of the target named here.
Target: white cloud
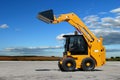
(105, 32)
(29, 49)
(103, 13)
(92, 21)
(91, 18)
(107, 19)
(3, 26)
(97, 22)
(113, 22)
(32, 51)
(117, 10)
(60, 37)
(110, 36)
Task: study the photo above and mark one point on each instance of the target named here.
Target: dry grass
(28, 58)
(40, 58)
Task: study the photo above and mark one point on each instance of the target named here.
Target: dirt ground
(48, 70)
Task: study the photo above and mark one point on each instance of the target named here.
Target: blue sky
(21, 30)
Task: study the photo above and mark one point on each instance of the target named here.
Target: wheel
(60, 66)
(88, 64)
(69, 64)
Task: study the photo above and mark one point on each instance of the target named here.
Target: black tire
(69, 61)
(89, 67)
(60, 66)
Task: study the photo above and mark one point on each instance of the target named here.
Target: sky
(21, 33)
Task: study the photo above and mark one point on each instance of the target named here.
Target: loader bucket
(46, 16)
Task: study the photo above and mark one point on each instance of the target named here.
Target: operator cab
(76, 44)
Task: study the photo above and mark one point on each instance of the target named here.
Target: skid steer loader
(82, 51)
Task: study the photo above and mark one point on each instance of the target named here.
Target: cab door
(78, 45)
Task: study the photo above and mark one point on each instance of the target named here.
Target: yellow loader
(81, 51)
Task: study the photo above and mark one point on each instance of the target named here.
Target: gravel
(48, 70)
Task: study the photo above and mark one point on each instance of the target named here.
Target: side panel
(98, 53)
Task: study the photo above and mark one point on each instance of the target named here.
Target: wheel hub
(69, 64)
(87, 64)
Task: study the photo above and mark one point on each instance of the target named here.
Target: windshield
(76, 45)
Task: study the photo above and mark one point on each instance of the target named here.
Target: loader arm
(72, 19)
(76, 22)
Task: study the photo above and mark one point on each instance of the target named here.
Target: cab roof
(72, 35)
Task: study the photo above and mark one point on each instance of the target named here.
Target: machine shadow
(47, 70)
(67, 71)
(88, 71)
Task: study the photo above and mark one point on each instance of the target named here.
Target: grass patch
(29, 58)
(117, 58)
